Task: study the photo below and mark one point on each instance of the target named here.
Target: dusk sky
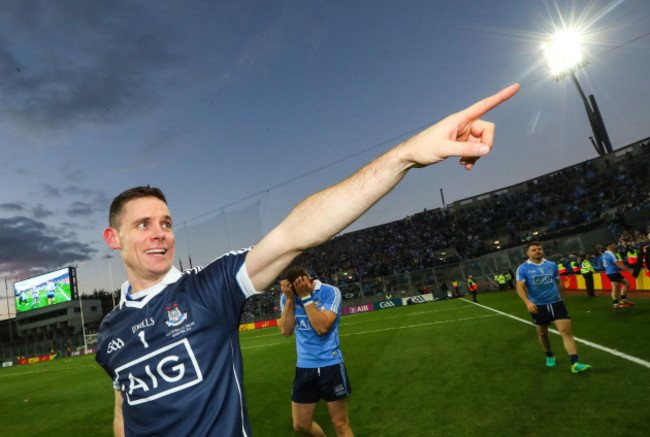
(231, 105)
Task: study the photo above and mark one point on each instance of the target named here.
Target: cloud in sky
(99, 70)
(35, 237)
(11, 207)
(29, 242)
(215, 101)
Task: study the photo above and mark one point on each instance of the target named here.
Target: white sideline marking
(579, 340)
(386, 329)
(417, 325)
(63, 293)
(276, 333)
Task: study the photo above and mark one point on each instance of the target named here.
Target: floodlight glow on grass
(563, 52)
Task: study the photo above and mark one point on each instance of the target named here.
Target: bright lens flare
(563, 52)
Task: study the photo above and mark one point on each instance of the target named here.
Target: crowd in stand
(566, 201)
(631, 244)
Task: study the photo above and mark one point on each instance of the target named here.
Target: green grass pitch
(446, 368)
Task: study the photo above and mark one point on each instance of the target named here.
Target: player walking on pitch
(613, 268)
(540, 287)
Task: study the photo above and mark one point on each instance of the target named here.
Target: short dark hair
(533, 243)
(293, 273)
(117, 206)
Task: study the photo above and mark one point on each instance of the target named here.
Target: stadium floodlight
(563, 53)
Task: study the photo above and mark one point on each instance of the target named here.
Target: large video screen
(43, 290)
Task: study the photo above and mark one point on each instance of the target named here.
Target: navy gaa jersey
(175, 355)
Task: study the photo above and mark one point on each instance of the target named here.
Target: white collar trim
(172, 276)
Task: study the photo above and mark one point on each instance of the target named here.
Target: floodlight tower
(564, 56)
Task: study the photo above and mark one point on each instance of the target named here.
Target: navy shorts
(615, 277)
(548, 312)
(330, 383)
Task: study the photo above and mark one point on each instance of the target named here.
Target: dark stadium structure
(571, 210)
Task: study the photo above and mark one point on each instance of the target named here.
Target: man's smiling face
(145, 240)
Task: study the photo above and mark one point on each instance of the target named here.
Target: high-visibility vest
(619, 257)
(501, 279)
(471, 284)
(574, 267)
(561, 268)
(586, 267)
(632, 256)
(455, 284)
(508, 276)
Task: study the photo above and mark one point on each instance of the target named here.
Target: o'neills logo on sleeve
(175, 316)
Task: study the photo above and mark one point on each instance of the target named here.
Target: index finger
(478, 109)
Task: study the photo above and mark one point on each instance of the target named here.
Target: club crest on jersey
(175, 316)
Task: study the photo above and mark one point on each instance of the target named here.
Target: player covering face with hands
(312, 310)
(172, 343)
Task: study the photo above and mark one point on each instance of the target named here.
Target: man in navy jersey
(313, 310)
(171, 346)
(540, 287)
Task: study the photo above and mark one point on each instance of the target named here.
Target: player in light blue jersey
(613, 267)
(51, 292)
(312, 310)
(540, 287)
(172, 345)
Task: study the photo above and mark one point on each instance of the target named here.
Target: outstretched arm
(322, 215)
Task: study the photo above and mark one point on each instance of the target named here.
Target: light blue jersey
(315, 350)
(540, 281)
(609, 263)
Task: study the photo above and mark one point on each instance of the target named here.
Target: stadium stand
(573, 210)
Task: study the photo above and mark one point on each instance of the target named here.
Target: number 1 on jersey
(144, 342)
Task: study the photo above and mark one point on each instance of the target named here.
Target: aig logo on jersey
(302, 323)
(160, 373)
(175, 316)
(542, 279)
(115, 345)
